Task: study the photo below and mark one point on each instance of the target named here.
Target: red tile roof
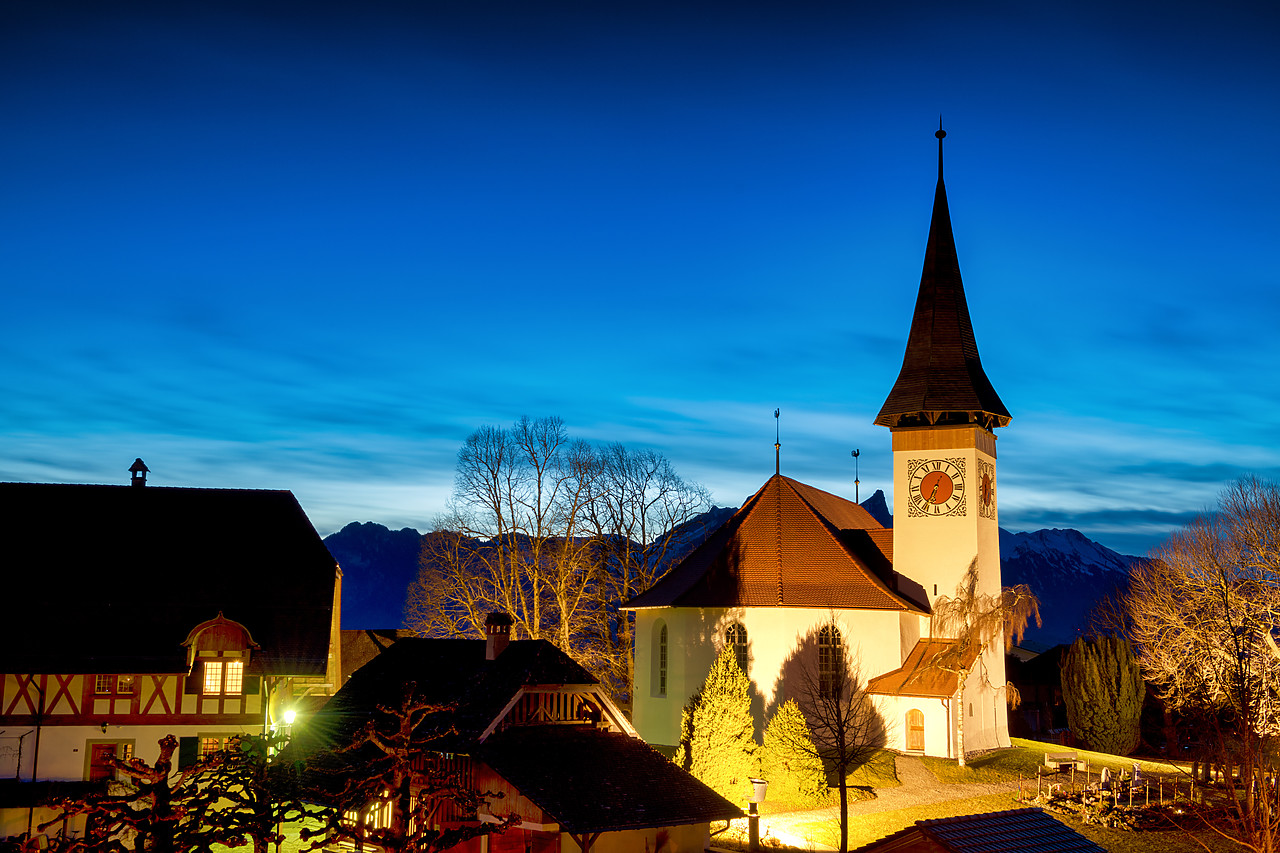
(916, 677)
(790, 545)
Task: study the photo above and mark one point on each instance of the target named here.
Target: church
(799, 578)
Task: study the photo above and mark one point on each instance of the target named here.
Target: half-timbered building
(522, 719)
(135, 612)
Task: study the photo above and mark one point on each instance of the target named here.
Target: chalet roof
(606, 781)
(942, 379)
(113, 578)
(588, 779)
(451, 672)
(789, 545)
(916, 677)
(1015, 831)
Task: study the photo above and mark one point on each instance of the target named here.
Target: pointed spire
(942, 380)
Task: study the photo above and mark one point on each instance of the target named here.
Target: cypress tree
(717, 733)
(1103, 690)
(789, 758)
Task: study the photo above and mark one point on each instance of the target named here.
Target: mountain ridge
(1065, 569)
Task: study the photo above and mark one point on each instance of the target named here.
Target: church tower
(942, 413)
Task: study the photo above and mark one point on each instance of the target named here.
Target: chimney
(139, 471)
(497, 633)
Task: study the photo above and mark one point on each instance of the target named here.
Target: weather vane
(777, 441)
(855, 454)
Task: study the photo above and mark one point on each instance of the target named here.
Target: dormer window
(218, 652)
(223, 677)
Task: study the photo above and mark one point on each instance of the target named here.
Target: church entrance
(915, 730)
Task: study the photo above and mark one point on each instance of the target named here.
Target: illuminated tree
(717, 732)
(1202, 614)
(789, 758)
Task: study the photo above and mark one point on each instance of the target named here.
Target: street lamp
(759, 787)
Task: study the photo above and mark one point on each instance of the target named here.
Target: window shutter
(251, 685)
(191, 684)
(188, 751)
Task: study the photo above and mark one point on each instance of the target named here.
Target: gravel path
(919, 787)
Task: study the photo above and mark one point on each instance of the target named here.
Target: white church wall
(937, 723)
(780, 641)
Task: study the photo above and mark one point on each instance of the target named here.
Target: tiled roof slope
(941, 373)
(1015, 831)
(600, 781)
(112, 578)
(790, 545)
(445, 672)
(916, 678)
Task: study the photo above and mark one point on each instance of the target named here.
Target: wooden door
(915, 730)
(100, 755)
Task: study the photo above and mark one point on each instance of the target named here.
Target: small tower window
(736, 636)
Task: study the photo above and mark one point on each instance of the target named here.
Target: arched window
(659, 677)
(736, 636)
(830, 662)
(915, 730)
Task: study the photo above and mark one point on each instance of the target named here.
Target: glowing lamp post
(759, 787)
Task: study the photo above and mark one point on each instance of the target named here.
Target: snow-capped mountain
(1068, 572)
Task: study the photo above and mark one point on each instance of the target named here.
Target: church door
(915, 730)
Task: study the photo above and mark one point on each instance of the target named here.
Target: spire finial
(941, 134)
(777, 442)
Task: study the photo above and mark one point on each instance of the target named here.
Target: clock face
(986, 489)
(936, 487)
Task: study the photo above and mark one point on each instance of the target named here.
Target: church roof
(790, 545)
(942, 379)
(916, 677)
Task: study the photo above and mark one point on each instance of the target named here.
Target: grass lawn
(1006, 765)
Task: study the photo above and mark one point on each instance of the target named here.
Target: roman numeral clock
(936, 487)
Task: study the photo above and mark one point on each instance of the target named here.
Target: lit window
(124, 684)
(104, 684)
(235, 676)
(212, 745)
(736, 636)
(830, 662)
(662, 661)
(212, 676)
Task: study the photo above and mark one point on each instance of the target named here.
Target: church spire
(942, 380)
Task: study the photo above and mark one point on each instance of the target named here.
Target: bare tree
(507, 543)
(974, 621)
(846, 729)
(1203, 615)
(554, 532)
(387, 786)
(638, 501)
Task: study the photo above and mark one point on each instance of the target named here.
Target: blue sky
(313, 245)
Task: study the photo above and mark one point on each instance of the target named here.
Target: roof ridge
(857, 561)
